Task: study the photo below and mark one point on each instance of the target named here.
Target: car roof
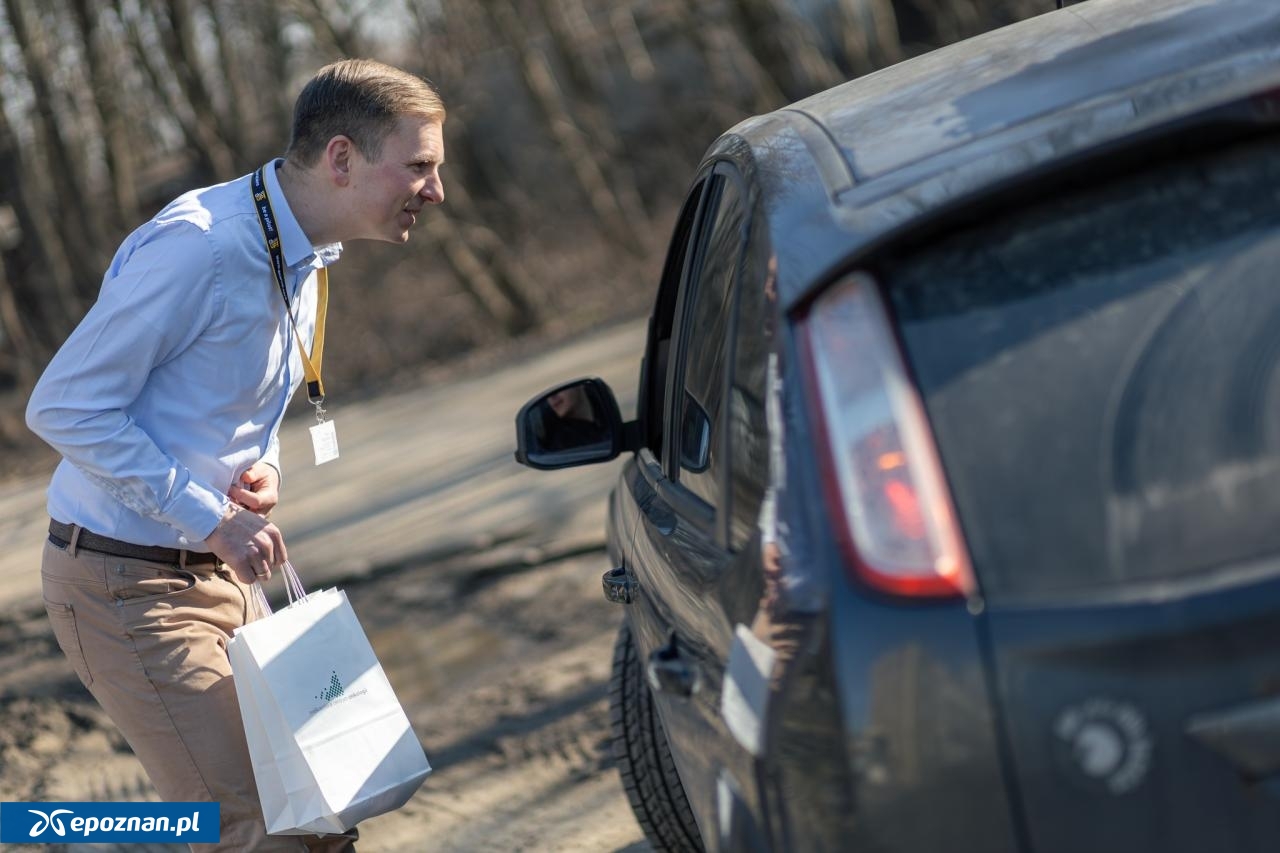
(864, 158)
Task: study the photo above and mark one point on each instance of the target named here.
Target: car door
(691, 580)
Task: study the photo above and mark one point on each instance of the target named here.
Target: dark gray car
(951, 516)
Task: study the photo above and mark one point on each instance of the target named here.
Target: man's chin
(399, 237)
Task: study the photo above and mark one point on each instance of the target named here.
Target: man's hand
(248, 543)
(258, 490)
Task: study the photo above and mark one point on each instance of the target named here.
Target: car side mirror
(574, 424)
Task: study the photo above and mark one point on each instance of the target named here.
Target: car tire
(644, 759)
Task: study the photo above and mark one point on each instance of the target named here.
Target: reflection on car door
(681, 552)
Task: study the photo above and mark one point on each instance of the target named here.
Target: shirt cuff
(196, 512)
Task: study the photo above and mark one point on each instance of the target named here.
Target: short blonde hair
(361, 99)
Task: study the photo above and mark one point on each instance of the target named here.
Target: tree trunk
(104, 83)
(278, 98)
(213, 159)
(65, 178)
(27, 357)
(779, 41)
(588, 103)
(346, 39)
(869, 35)
(242, 110)
(728, 62)
(622, 20)
(622, 226)
(55, 301)
(475, 278)
(183, 56)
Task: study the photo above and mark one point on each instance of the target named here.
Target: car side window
(654, 371)
(705, 323)
(749, 435)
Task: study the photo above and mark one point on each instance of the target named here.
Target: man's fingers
(277, 541)
(270, 544)
(257, 494)
(245, 498)
(249, 544)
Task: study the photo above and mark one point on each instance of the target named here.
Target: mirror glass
(570, 424)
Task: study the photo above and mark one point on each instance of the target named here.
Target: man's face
(389, 193)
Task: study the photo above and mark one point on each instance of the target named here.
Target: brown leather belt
(61, 534)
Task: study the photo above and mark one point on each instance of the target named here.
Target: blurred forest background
(574, 126)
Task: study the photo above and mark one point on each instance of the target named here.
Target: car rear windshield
(1102, 373)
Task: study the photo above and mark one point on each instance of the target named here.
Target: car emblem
(1105, 743)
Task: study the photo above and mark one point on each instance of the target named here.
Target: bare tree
(42, 249)
(625, 227)
(65, 176)
(785, 46)
(343, 35)
(240, 112)
(104, 86)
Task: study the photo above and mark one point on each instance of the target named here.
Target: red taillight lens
(883, 480)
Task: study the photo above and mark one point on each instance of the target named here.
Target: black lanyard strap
(311, 362)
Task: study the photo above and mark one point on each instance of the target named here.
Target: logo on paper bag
(334, 690)
(335, 694)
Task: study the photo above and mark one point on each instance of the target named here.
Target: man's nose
(433, 191)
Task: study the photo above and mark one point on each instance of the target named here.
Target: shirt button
(119, 570)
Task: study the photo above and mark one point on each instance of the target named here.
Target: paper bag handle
(292, 587)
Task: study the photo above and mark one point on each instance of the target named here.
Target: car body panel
(1100, 720)
(688, 584)
(922, 738)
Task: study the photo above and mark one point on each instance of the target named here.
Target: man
(165, 403)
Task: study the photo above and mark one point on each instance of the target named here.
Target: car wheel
(644, 759)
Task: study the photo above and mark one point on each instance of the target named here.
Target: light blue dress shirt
(177, 379)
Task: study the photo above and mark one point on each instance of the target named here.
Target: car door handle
(619, 588)
(670, 672)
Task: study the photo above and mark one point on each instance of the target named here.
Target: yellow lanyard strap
(311, 363)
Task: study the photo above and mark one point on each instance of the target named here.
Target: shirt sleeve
(157, 297)
(272, 456)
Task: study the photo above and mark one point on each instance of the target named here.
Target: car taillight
(883, 480)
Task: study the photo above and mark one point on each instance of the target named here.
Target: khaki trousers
(149, 642)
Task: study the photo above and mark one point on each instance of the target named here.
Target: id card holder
(324, 441)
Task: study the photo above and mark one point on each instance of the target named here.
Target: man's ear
(338, 154)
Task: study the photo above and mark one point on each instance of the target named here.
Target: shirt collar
(294, 243)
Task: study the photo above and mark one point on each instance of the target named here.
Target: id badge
(324, 441)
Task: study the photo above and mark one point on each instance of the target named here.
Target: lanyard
(310, 363)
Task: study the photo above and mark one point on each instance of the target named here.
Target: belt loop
(182, 559)
(75, 540)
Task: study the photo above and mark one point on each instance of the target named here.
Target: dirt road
(503, 669)
(482, 600)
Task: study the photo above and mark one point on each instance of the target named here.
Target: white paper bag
(329, 741)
